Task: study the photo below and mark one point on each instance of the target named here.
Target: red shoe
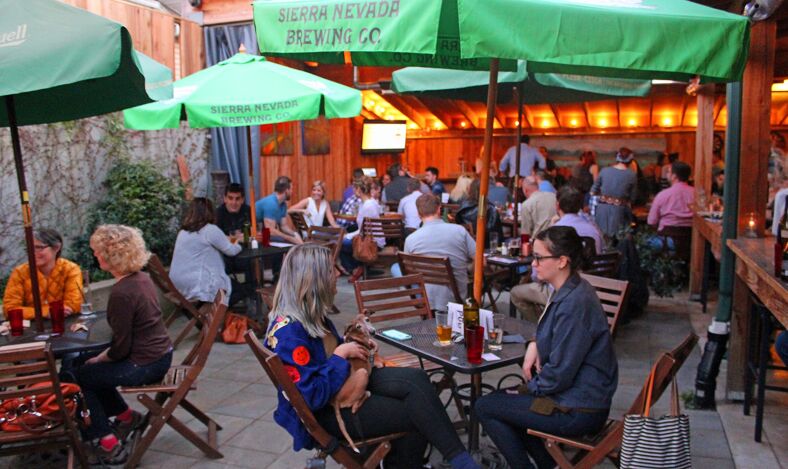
(357, 273)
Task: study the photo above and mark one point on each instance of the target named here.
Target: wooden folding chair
(435, 270)
(171, 393)
(329, 236)
(329, 445)
(398, 298)
(299, 222)
(591, 450)
(162, 280)
(393, 230)
(604, 265)
(21, 366)
(613, 295)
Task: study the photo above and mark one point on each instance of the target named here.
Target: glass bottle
(470, 313)
(247, 233)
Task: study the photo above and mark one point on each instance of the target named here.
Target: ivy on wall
(66, 165)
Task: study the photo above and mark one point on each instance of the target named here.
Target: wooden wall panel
(153, 32)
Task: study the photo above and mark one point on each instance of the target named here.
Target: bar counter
(755, 267)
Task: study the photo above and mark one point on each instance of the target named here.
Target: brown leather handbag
(39, 413)
(365, 249)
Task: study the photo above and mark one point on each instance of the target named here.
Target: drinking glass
(493, 242)
(514, 247)
(495, 341)
(58, 316)
(442, 328)
(266, 238)
(86, 309)
(14, 317)
(474, 342)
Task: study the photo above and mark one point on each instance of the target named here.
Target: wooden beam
(704, 142)
(753, 183)
(399, 103)
(618, 112)
(435, 106)
(684, 103)
(588, 117)
(500, 119)
(467, 111)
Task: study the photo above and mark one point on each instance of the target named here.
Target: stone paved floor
(234, 390)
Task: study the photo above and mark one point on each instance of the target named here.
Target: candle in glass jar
(751, 224)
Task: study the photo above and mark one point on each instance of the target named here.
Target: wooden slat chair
(592, 450)
(393, 230)
(23, 365)
(392, 206)
(173, 390)
(299, 223)
(435, 270)
(395, 299)
(330, 445)
(604, 265)
(613, 295)
(328, 235)
(162, 280)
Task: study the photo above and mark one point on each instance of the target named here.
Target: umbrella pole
(27, 218)
(481, 224)
(517, 156)
(253, 212)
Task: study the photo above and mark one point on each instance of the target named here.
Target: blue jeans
(507, 417)
(99, 382)
(346, 258)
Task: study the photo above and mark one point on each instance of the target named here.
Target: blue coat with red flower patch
(316, 376)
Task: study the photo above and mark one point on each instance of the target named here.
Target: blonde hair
(461, 187)
(305, 291)
(321, 185)
(121, 247)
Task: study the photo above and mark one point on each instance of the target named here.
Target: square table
(453, 357)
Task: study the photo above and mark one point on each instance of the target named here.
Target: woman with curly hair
(140, 352)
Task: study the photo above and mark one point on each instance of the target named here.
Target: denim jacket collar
(571, 283)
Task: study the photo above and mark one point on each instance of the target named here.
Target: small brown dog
(354, 392)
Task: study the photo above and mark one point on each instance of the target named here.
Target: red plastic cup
(58, 316)
(14, 317)
(474, 342)
(266, 237)
(525, 238)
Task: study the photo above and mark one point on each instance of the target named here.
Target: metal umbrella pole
(27, 218)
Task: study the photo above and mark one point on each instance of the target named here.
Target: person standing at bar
(616, 187)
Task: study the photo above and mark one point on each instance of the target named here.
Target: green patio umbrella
(60, 63)
(246, 90)
(158, 77)
(535, 88)
(529, 88)
(613, 38)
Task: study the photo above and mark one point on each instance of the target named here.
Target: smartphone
(396, 335)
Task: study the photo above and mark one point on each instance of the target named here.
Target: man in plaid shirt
(350, 207)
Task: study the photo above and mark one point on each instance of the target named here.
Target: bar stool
(762, 326)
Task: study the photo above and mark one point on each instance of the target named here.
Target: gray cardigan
(579, 366)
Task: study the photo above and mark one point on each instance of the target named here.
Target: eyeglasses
(538, 259)
(40, 247)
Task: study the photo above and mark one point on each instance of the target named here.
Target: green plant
(666, 273)
(136, 195)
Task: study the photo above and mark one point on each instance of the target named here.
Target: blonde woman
(316, 359)
(315, 207)
(140, 352)
(368, 190)
(461, 187)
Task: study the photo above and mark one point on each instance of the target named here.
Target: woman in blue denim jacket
(315, 358)
(570, 368)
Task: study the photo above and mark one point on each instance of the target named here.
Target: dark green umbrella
(60, 63)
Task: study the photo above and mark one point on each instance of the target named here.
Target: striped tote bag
(657, 443)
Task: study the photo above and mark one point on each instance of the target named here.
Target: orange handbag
(235, 327)
(39, 413)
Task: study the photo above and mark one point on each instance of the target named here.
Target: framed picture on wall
(316, 136)
(277, 139)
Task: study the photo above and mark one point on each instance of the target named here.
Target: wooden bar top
(711, 231)
(755, 266)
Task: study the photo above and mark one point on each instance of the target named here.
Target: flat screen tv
(381, 136)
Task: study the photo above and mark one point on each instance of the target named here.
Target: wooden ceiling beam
(618, 112)
(683, 112)
(467, 111)
(500, 118)
(555, 115)
(398, 103)
(436, 107)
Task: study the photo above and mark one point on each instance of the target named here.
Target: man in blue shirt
(528, 157)
(431, 178)
(272, 210)
(544, 182)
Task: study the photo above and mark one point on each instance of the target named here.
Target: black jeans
(99, 382)
(403, 400)
(507, 417)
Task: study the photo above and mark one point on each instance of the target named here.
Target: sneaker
(124, 429)
(98, 456)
